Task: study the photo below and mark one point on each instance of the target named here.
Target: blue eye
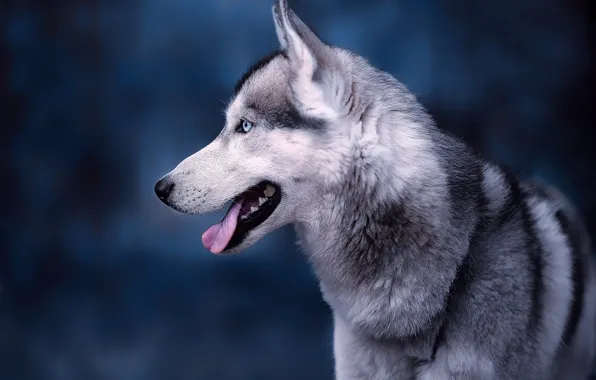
(244, 126)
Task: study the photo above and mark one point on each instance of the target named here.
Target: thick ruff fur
(436, 263)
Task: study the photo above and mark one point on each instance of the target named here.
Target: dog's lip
(244, 226)
(252, 198)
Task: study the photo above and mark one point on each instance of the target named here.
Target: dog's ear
(280, 27)
(314, 80)
(294, 36)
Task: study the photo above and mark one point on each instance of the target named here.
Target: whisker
(254, 192)
(235, 203)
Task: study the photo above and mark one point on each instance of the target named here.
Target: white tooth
(253, 209)
(262, 200)
(269, 190)
(243, 216)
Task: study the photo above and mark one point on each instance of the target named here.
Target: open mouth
(248, 210)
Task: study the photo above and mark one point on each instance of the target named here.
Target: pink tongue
(217, 237)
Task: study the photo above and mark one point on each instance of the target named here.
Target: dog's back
(524, 295)
(575, 354)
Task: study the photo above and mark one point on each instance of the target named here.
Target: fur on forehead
(266, 88)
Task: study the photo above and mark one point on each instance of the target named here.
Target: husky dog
(437, 264)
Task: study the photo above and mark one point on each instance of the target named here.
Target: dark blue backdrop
(99, 280)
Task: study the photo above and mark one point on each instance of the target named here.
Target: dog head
(284, 143)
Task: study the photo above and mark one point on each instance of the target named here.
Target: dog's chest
(357, 355)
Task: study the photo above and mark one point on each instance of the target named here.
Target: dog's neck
(395, 251)
(357, 236)
(393, 190)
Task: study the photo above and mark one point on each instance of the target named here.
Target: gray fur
(436, 263)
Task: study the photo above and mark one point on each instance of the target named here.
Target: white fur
(458, 363)
(556, 274)
(495, 188)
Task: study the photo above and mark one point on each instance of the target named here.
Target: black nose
(163, 189)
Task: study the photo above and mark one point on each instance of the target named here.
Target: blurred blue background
(100, 280)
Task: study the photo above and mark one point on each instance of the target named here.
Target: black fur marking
(290, 117)
(462, 278)
(461, 190)
(287, 116)
(534, 250)
(317, 76)
(256, 67)
(512, 200)
(577, 275)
